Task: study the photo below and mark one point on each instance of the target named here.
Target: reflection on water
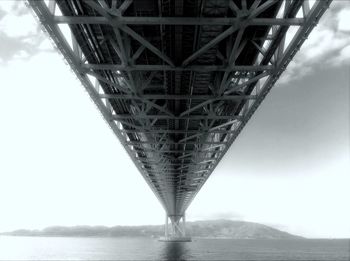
(63, 248)
(175, 251)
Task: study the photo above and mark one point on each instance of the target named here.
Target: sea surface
(64, 248)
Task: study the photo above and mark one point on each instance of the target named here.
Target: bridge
(177, 81)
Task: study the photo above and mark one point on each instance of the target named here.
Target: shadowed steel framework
(178, 80)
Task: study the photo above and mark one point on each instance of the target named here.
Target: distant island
(201, 229)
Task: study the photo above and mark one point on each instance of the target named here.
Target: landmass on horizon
(201, 229)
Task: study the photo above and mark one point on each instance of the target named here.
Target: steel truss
(177, 80)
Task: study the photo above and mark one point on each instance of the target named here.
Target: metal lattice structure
(177, 80)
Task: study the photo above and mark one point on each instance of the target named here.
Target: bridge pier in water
(175, 231)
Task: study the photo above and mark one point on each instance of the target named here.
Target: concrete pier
(176, 230)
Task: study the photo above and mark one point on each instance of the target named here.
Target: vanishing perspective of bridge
(177, 80)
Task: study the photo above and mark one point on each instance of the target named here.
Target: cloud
(327, 45)
(24, 47)
(18, 23)
(344, 20)
(21, 36)
(231, 215)
(226, 215)
(6, 7)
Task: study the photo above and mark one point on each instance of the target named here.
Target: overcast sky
(60, 164)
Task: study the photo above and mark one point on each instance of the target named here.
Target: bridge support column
(176, 230)
(166, 225)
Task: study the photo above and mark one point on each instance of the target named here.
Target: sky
(60, 164)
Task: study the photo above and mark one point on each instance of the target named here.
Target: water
(63, 248)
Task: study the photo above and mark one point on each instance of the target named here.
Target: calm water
(60, 248)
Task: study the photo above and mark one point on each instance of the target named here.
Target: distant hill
(235, 230)
(203, 229)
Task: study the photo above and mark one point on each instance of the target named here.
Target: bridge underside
(178, 80)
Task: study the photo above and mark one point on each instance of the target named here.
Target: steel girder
(177, 80)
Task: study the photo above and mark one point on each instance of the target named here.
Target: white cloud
(345, 52)
(7, 6)
(18, 25)
(342, 58)
(20, 34)
(327, 44)
(322, 43)
(17, 21)
(344, 20)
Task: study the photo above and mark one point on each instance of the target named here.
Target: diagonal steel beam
(212, 43)
(229, 31)
(115, 85)
(129, 31)
(252, 80)
(147, 44)
(231, 59)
